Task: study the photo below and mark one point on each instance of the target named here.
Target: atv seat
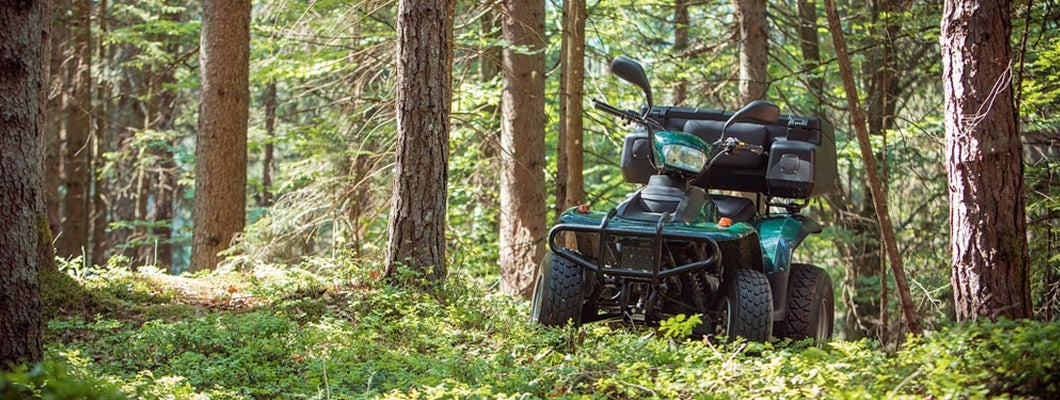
(738, 209)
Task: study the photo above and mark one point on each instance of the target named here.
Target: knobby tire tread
(753, 306)
(803, 295)
(563, 296)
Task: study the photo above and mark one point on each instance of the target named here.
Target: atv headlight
(683, 157)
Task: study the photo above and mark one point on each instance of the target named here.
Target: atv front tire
(744, 307)
(558, 297)
(811, 304)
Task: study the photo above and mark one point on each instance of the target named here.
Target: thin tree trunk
(860, 318)
(101, 141)
(23, 32)
(561, 130)
(56, 121)
(144, 251)
(75, 235)
(984, 163)
(875, 186)
(574, 81)
(490, 58)
(883, 81)
(522, 222)
(809, 42)
(221, 148)
(270, 137)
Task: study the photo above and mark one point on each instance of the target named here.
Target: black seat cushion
(738, 209)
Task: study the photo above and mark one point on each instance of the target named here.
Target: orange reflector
(725, 222)
(583, 208)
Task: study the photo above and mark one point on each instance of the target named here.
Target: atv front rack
(628, 230)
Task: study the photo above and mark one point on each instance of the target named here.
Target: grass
(293, 333)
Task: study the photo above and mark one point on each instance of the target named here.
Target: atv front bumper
(634, 249)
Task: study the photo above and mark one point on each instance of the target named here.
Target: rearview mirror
(630, 71)
(760, 110)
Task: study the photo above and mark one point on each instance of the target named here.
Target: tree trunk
(100, 146)
(811, 52)
(984, 163)
(862, 255)
(570, 190)
(56, 122)
(221, 147)
(522, 222)
(680, 45)
(74, 238)
(754, 48)
(561, 130)
(23, 30)
(490, 58)
(416, 232)
(270, 136)
(883, 81)
(875, 186)
(574, 82)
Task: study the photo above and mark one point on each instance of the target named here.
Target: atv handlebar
(734, 145)
(628, 115)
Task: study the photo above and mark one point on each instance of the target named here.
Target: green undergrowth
(307, 333)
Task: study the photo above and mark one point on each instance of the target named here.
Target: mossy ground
(296, 333)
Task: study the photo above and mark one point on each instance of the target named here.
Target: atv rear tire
(811, 304)
(558, 297)
(744, 307)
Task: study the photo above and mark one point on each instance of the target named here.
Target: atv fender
(780, 234)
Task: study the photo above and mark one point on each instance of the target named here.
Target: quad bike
(673, 248)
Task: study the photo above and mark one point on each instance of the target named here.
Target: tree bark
(490, 58)
(883, 81)
(561, 129)
(680, 45)
(101, 140)
(522, 222)
(984, 162)
(267, 153)
(73, 241)
(23, 31)
(862, 255)
(574, 80)
(56, 121)
(875, 186)
(809, 43)
(221, 147)
(416, 232)
(754, 49)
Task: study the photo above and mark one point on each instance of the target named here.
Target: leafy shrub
(53, 380)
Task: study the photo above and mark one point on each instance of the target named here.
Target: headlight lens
(683, 157)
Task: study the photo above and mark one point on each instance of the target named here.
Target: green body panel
(701, 227)
(780, 235)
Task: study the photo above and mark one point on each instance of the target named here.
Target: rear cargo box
(800, 160)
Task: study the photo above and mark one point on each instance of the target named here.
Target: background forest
(123, 96)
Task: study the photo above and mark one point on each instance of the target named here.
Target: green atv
(672, 248)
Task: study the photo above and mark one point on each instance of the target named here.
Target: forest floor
(306, 333)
